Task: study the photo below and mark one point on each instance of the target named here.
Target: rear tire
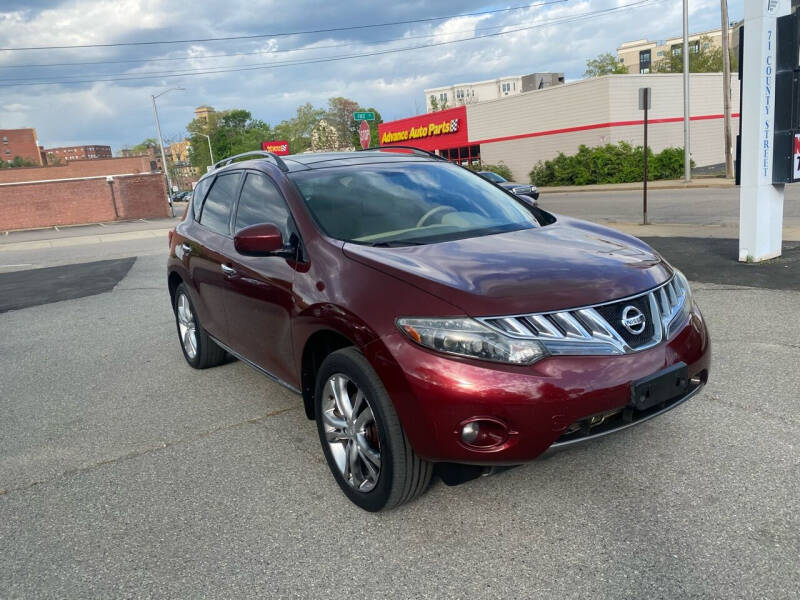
(199, 350)
(369, 439)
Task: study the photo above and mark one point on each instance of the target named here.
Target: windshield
(493, 177)
(408, 203)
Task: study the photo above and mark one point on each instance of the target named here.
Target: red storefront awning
(432, 131)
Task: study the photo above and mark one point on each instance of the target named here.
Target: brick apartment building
(68, 153)
(22, 143)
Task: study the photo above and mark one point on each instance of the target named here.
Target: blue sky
(559, 38)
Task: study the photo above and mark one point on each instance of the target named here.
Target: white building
(460, 94)
(524, 128)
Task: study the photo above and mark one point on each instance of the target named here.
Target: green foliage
(604, 64)
(501, 169)
(707, 59)
(16, 162)
(612, 163)
(144, 145)
(236, 130)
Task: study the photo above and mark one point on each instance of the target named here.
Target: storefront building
(523, 129)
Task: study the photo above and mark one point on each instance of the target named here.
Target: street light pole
(210, 153)
(161, 144)
(687, 162)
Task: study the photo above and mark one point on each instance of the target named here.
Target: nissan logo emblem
(633, 319)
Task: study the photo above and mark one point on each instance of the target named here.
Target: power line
(233, 54)
(284, 34)
(272, 65)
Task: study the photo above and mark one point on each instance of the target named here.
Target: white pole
(210, 153)
(687, 161)
(760, 202)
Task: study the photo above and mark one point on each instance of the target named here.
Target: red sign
(280, 147)
(433, 131)
(364, 134)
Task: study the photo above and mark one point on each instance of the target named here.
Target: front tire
(199, 350)
(362, 438)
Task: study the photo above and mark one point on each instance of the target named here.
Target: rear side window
(198, 194)
(261, 202)
(216, 213)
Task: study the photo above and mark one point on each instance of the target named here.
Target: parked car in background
(520, 189)
(428, 319)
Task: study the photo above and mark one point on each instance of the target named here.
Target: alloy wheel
(187, 326)
(351, 432)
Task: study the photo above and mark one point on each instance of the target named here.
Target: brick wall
(19, 142)
(72, 202)
(78, 168)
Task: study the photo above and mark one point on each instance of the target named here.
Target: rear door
(211, 242)
(261, 303)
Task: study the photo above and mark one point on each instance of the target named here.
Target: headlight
(683, 285)
(467, 337)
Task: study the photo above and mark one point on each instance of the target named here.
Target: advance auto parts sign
(414, 133)
(443, 129)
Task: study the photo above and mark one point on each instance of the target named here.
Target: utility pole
(161, 144)
(687, 161)
(726, 87)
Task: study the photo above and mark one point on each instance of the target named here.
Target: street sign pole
(644, 104)
(760, 201)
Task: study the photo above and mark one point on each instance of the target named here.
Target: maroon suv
(426, 316)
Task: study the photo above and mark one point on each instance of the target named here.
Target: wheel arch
(173, 281)
(317, 347)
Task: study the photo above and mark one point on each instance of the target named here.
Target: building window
(660, 53)
(694, 47)
(644, 61)
(676, 49)
(8, 151)
(5, 139)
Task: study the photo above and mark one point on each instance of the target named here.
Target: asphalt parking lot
(125, 473)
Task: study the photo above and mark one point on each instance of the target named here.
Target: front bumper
(540, 404)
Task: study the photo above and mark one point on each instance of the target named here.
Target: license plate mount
(659, 387)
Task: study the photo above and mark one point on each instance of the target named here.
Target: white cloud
(120, 113)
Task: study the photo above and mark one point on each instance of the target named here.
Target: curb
(623, 187)
(84, 240)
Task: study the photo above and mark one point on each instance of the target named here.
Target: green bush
(501, 169)
(612, 163)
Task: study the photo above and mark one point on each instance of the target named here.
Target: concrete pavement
(126, 473)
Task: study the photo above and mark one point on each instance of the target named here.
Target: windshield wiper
(395, 244)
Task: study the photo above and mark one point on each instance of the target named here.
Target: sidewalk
(665, 184)
(94, 233)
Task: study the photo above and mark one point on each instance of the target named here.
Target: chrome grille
(598, 329)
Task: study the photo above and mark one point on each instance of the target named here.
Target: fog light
(483, 433)
(470, 431)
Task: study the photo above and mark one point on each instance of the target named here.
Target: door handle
(187, 249)
(229, 271)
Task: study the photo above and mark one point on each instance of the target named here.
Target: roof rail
(262, 153)
(414, 149)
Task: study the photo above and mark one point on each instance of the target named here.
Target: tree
(604, 64)
(704, 57)
(142, 147)
(340, 117)
(434, 104)
(297, 130)
(231, 132)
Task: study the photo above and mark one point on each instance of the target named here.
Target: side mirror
(259, 240)
(527, 200)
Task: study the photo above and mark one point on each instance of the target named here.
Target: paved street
(700, 206)
(125, 473)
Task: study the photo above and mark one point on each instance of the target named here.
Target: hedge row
(620, 163)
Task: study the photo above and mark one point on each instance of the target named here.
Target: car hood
(567, 264)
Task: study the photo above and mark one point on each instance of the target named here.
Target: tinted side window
(198, 194)
(216, 213)
(261, 202)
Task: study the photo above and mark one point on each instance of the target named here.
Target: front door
(261, 303)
